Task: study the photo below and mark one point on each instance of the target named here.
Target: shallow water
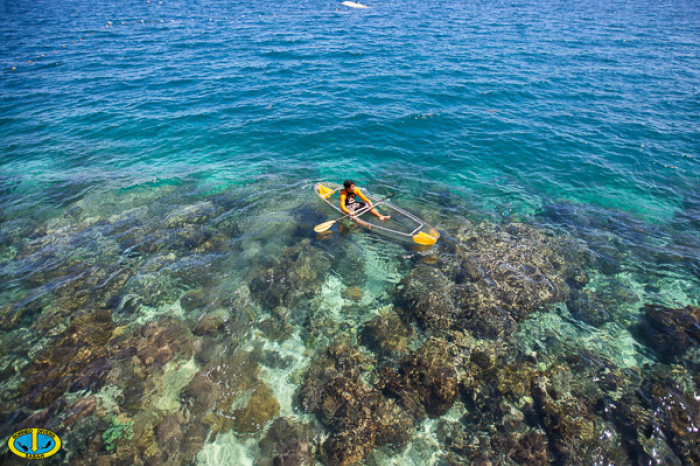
(164, 299)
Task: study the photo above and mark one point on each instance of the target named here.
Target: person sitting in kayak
(350, 204)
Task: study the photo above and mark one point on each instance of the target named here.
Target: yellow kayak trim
(325, 192)
(424, 238)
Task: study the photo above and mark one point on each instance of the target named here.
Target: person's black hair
(348, 183)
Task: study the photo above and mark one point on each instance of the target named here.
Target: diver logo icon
(34, 444)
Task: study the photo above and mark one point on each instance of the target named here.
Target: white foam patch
(422, 450)
(148, 313)
(250, 249)
(611, 341)
(332, 301)
(678, 289)
(374, 292)
(175, 375)
(229, 449)
(381, 270)
(107, 398)
(279, 379)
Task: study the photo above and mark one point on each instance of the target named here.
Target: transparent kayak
(402, 225)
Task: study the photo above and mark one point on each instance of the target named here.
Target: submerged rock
(178, 441)
(428, 299)
(534, 412)
(582, 308)
(635, 419)
(193, 299)
(276, 330)
(531, 449)
(426, 377)
(564, 418)
(82, 408)
(658, 418)
(232, 381)
(493, 281)
(211, 323)
(669, 331)
(387, 335)
(360, 417)
(78, 358)
(296, 275)
(352, 293)
(294, 453)
(261, 407)
(578, 435)
(287, 443)
(11, 315)
(212, 390)
(198, 213)
(142, 353)
(153, 289)
(680, 418)
(160, 341)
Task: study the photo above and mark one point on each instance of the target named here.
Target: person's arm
(342, 202)
(363, 197)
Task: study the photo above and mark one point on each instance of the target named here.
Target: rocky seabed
(175, 333)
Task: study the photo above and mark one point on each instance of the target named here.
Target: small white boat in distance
(354, 5)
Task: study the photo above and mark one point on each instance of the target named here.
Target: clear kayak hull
(402, 225)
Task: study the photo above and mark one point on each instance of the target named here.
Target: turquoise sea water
(156, 221)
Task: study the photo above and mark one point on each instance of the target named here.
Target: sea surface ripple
(579, 118)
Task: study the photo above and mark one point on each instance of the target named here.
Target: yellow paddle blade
(325, 192)
(324, 226)
(424, 238)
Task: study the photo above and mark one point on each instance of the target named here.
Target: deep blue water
(510, 102)
(581, 117)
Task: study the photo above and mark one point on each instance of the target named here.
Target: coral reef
(287, 443)
(353, 293)
(126, 334)
(360, 417)
(428, 299)
(670, 331)
(679, 415)
(83, 274)
(494, 279)
(286, 280)
(233, 381)
(276, 330)
(211, 323)
(387, 335)
(426, 378)
(77, 360)
(178, 440)
(261, 407)
(587, 311)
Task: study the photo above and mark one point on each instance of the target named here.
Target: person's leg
(364, 224)
(356, 207)
(379, 216)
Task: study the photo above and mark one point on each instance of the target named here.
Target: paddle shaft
(366, 209)
(356, 214)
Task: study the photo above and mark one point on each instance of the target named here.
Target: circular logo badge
(34, 444)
